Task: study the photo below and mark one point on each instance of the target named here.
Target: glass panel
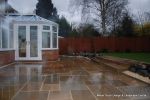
(33, 41)
(54, 29)
(22, 41)
(4, 39)
(46, 40)
(11, 39)
(54, 40)
(0, 38)
(0, 34)
(11, 36)
(46, 27)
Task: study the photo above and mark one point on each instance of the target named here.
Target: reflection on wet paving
(82, 95)
(73, 83)
(32, 86)
(68, 79)
(51, 83)
(37, 95)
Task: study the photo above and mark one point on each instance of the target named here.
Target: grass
(144, 57)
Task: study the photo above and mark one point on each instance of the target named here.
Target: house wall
(50, 55)
(7, 57)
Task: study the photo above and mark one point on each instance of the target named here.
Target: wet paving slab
(139, 92)
(69, 79)
(32, 86)
(60, 95)
(73, 83)
(42, 95)
(82, 95)
(7, 92)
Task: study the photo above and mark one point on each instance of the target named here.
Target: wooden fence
(112, 44)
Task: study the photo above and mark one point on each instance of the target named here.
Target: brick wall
(50, 55)
(6, 57)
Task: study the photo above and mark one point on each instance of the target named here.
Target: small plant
(117, 50)
(104, 50)
(128, 51)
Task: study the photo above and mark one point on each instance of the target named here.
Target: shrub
(128, 51)
(104, 50)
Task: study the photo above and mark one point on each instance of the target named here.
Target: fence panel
(112, 44)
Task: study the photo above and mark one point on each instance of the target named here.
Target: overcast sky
(27, 6)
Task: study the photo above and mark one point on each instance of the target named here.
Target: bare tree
(147, 16)
(141, 19)
(104, 10)
(117, 15)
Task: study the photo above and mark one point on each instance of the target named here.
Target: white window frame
(51, 36)
(8, 37)
(57, 35)
(28, 57)
(0, 35)
(11, 36)
(49, 31)
(54, 33)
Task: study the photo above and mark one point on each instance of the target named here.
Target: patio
(69, 79)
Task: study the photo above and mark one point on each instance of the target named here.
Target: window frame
(3, 39)
(8, 36)
(49, 31)
(55, 33)
(51, 36)
(44, 32)
(46, 27)
(0, 34)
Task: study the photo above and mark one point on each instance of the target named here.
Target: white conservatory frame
(27, 21)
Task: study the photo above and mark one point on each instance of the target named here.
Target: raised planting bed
(110, 63)
(137, 76)
(141, 69)
(114, 62)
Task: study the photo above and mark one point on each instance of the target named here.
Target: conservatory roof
(28, 18)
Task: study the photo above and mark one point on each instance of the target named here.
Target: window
(54, 29)
(49, 37)
(11, 41)
(54, 40)
(11, 36)
(4, 38)
(34, 41)
(46, 27)
(45, 39)
(22, 41)
(0, 35)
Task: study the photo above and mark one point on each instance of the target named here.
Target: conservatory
(28, 38)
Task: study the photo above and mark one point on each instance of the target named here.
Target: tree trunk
(103, 24)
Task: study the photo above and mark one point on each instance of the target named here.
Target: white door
(27, 43)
